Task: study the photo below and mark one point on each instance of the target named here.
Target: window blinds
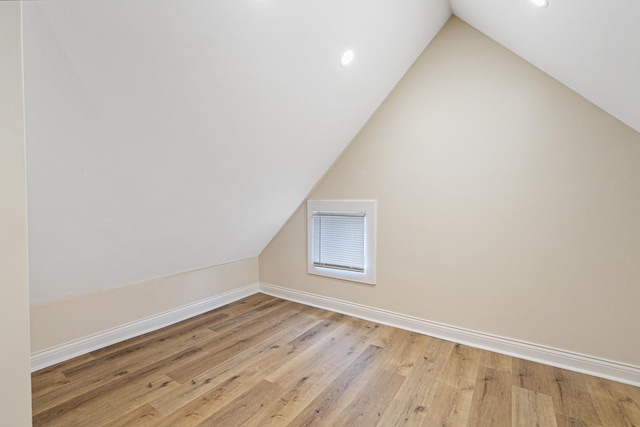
(338, 240)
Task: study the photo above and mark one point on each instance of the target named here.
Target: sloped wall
(507, 204)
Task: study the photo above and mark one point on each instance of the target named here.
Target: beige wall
(507, 204)
(15, 393)
(60, 321)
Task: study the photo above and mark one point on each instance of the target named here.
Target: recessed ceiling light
(347, 57)
(540, 3)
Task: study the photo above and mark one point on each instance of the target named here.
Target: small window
(341, 237)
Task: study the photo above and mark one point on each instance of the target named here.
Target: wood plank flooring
(263, 361)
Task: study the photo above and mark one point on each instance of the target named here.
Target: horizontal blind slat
(339, 240)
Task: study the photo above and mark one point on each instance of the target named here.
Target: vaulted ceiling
(165, 136)
(591, 46)
(169, 135)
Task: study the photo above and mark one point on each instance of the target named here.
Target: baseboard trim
(45, 358)
(590, 365)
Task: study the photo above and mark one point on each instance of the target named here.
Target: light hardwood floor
(263, 361)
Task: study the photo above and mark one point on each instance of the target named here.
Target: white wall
(15, 393)
(167, 136)
(507, 204)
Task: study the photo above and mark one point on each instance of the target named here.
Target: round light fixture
(540, 3)
(347, 57)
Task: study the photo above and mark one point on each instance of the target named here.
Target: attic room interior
(174, 176)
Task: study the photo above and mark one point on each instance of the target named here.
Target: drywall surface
(167, 136)
(15, 394)
(57, 322)
(589, 45)
(507, 204)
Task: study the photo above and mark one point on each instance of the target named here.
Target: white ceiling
(165, 136)
(591, 46)
(169, 135)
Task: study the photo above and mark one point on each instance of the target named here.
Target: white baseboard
(603, 368)
(45, 358)
(590, 365)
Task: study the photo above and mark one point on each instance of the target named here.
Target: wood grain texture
(264, 361)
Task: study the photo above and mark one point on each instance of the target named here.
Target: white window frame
(352, 206)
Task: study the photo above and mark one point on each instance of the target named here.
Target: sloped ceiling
(165, 136)
(591, 46)
(170, 135)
